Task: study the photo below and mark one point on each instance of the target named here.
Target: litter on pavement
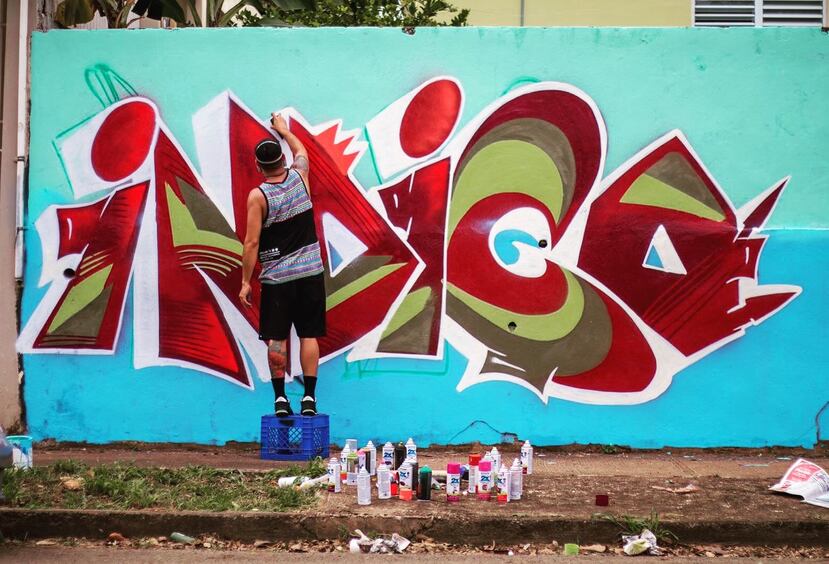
(643, 543)
(807, 480)
(380, 545)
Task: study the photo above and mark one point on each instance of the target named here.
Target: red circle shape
(123, 141)
(430, 118)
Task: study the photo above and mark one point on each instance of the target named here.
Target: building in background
(646, 13)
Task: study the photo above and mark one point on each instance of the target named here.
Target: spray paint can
(383, 482)
(388, 455)
(395, 483)
(496, 460)
(363, 487)
(344, 462)
(474, 460)
(371, 452)
(415, 475)
(361, 460)
(502, 484)
(404, 474)
(334, 478)
(411, 450)
(527, 457)
(453, 482)
(399, 455)
(424, 484)
(516, 480)
(351, 469)
(484, 480)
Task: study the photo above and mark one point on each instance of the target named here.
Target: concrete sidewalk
(733, 504)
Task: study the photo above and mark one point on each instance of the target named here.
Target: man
(282, 235)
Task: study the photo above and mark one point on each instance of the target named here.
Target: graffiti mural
(501, 236)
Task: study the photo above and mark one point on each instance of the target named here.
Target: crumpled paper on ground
(643, 543)
(807, 480)
(380, 545)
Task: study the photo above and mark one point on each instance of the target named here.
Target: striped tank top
(288, 245)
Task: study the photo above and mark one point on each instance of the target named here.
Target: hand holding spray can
(484, 480)
(527, 457)
(453, 482)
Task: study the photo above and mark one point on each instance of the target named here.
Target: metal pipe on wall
(22, 107)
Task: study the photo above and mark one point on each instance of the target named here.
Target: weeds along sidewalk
(72, 498)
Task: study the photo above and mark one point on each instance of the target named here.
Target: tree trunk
(46, 14)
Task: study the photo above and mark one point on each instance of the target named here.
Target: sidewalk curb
(515, 529)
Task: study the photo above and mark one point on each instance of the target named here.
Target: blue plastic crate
(295, 437)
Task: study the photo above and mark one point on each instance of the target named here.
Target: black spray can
(424, 484)
(399, 455)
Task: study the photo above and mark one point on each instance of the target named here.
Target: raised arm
(301, 164)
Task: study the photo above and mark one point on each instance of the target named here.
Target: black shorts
(300, 303)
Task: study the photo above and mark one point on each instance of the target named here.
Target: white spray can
(388, 455)
(363, 487)
(344, 459)
(516, 480)
(372, 458)
(496, 460)
(334, 477)
(411, 450)
(404, 474)
(527, 457)
(383, 482)
(502, 483)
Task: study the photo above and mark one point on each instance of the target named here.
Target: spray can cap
(425, 469)
(527, 443)
(388, 445)
(369, 445)
(494, 450)
(485, 465)
(352, 454)
(488, 457)
(453, 468)
(410, 441)
(474, 459)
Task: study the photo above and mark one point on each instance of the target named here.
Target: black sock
(310, 386)
(278, 387)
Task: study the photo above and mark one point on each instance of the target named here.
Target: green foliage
(351, 13)
(126, 486)
(70, 13)
(631, 525)
(610, 449)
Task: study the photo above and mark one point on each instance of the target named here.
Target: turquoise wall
(751, 102)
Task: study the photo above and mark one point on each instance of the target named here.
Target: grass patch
(126, 486)
(632, 525)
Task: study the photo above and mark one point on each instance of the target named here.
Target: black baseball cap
(268, 152)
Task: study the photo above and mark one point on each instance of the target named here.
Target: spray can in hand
(363, 487)
(453, 482)
(383, 482)
(516, 480)
(484, 480)
(334, 478)
(527, 457)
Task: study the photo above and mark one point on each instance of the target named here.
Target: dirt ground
(733, 482)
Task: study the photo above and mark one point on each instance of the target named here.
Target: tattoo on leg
(277, 360)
